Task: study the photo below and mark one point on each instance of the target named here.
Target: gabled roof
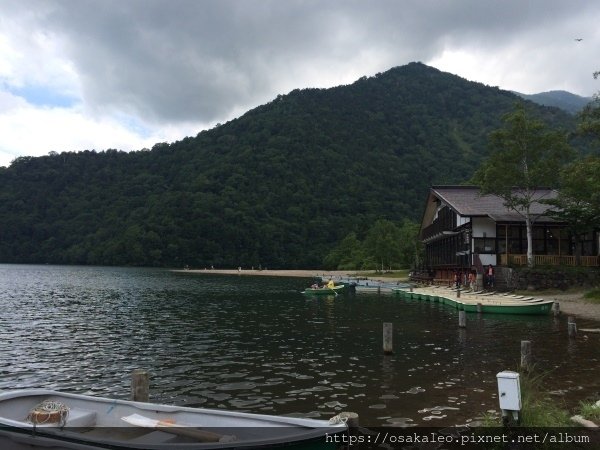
(467, 201)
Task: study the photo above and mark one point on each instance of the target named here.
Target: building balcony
(548, 260)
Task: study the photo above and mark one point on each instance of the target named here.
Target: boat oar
(174, 428)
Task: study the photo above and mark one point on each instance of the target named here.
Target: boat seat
(81, 418)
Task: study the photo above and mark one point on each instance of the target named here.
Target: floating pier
(479, 301)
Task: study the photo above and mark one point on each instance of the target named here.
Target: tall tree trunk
(577, 240)
(530, 262)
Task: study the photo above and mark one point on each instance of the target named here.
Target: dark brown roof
(468, 202)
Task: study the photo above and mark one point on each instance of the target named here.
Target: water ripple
(255, 344)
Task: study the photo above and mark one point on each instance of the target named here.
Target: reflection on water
(256, 344)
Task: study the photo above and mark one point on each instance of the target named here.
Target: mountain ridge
(277, 186)
(567, 101)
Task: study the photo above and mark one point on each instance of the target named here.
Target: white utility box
(509, 391)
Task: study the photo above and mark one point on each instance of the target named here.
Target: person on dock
(489, 277)
(472, 279)
(457, 278)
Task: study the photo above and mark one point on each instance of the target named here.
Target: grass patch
(589, 411)
(540, 410)
(537, 409)
(593, 296)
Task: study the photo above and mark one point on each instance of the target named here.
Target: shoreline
(571, 303)
(273, 273)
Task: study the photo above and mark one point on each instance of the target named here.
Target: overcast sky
(126, 74)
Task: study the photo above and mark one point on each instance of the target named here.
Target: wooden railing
(548, 260)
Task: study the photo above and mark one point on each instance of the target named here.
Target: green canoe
(324, 290)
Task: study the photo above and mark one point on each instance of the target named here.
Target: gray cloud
(205, 60)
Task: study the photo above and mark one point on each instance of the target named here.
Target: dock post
(525, 355)
(387, 338)
(351, 418)
(556, 309)
(479, 308)
(462, 319)
(379, 289)
(572, 326)
(140, 386)
(458, 293)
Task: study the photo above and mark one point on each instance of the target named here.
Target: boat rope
(336, 420)
(49, 411)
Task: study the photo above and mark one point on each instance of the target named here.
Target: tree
(590, 116)
(411, 247)
(524, 156)
(578, 202)
(382, 244)
(346, 255)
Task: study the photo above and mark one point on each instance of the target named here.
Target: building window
(485, 245)
(547, 240)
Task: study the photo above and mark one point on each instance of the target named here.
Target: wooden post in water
(387, 338)
(140, 387)
(458, 293)
(351, 418)
(526, 355)
(462, 319)
(556, 309)
(479, 308)
(572, 326)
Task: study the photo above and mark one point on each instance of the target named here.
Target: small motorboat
(39, 418)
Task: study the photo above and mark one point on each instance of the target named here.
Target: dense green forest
(278, 187)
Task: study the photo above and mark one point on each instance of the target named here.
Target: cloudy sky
(126, 74)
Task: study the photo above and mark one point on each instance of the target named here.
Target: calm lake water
(256, 344)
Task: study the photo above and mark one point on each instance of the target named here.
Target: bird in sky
(579, 39)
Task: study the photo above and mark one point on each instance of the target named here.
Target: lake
(256, 344)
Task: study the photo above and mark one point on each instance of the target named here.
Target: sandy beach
(278, 273)
(571, 303)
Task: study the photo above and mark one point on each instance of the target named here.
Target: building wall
(483, 240)
(483, 226)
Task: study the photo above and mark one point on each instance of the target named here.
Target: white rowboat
(39, 418)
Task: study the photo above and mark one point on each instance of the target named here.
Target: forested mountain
(277, 187)
(566, 101)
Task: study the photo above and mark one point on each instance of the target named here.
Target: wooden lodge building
(462, 229)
